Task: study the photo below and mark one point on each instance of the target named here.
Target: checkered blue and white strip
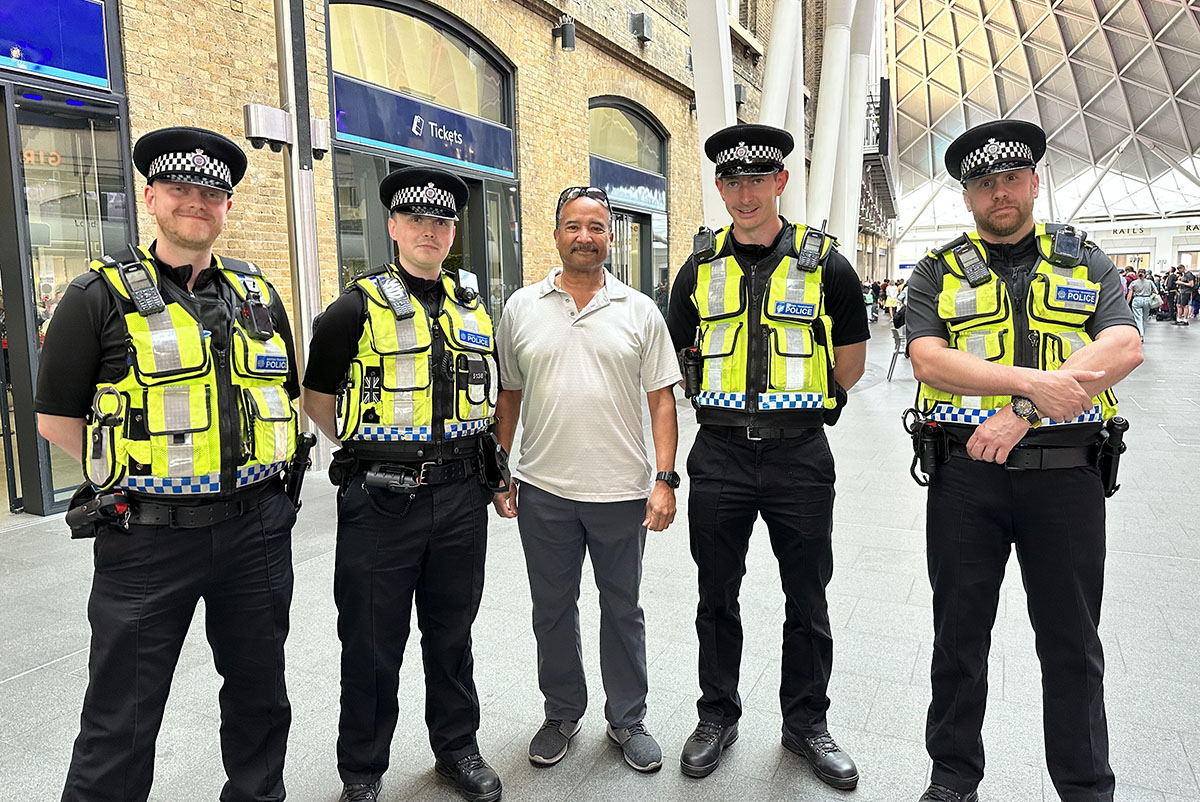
(175, 485)
(731, 400)
(257, 473)
(393, 433)
(194, 164)
(993, 152)
(750, 153)
(973, 417)
(428, 195)
(790, 400)
(456, 430)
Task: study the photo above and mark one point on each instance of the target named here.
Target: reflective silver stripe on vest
(164, 341)
(406, 335)
(177, 416)
(1073, 339)
(793, 344)
(100, 468)
(474, 411)
(976, 344)
(966, 303)
(794, 289)
(277, 408)
(716, 288)
(714, 341)
(1065, 272)
(404, 379)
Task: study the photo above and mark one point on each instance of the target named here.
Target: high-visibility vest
(985, 321)
(403, 362)
(789, 325)
(187, 419)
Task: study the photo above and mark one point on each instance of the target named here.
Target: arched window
(628, 159)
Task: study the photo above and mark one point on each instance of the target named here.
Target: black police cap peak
(748, 148)
(190, 155)
(423, 190)
(994, 147)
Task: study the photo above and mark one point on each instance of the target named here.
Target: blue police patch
(476, 339)
(1075, 295)
(266, 363)
(793, 309)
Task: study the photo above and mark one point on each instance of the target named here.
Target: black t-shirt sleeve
(922, 319)
(844, 301)
(334, 343)
(682, 315)
(1111, 309)
(84, 345)
(284, 327)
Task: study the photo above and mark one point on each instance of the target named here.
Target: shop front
(66, 198)
(413, 87)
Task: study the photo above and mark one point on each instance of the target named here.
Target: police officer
(773, 330)
(1017, 331)
(168, 371)
(402, 373)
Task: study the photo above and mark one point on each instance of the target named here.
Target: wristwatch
(1024, 408)
(670, 477)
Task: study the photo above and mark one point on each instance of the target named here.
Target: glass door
(73, 206)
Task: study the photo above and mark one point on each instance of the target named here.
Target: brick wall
(199, 68)
(231, 61)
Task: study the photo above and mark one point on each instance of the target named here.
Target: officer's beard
(1007, 226)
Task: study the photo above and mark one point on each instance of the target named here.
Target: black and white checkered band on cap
(430, 199)
(741, 152)
(195, 167)
(992, 153)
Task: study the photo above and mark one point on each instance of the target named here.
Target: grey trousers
(554, 532)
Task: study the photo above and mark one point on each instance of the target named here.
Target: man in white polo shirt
(576, 352)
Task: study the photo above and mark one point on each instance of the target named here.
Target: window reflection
(410, 55)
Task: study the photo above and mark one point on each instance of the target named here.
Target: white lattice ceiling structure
(1111, 81)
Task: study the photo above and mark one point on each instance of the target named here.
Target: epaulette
(238, 266)
(374, 271)
(84, 279)
(962, 239)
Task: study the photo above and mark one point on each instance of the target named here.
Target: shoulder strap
(952, 244)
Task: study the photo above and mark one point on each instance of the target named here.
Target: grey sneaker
(640, 749)
(550, 743)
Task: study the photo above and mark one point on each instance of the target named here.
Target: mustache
(584, 249)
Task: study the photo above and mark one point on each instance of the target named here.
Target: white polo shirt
(583, 374)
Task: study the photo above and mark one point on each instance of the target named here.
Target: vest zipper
(227, 428)
(438, 402)
(753, 348)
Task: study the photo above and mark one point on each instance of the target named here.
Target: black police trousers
(1055, 518)
(789, 482)
(391, 550)
(146, 584)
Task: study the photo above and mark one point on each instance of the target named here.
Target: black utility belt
(416, 452)
(406, 477)
(1041, 458)
(145, 511)
(758, 432)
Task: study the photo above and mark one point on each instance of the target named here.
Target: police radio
(396, 296)
(1066, 246)
(142, 289)
(972, 264)
(810, 249)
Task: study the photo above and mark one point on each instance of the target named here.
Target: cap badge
(431, 191)
(742, 152)
(992, 147)
(199, 159)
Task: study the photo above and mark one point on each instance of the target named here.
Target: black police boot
(702, 750)
(831, 765)
(361, 792)
(474, 778)
(940, 793)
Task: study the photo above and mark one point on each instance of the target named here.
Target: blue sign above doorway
(56, 39)
(372, 115)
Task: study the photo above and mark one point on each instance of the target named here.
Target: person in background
(1138, 295)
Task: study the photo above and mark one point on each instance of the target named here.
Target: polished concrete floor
(879, 601)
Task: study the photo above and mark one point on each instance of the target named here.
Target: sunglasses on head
(571, 193)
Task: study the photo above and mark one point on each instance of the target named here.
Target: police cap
(995, 147)
(748, 149)
(424, 191)
(190, 156)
